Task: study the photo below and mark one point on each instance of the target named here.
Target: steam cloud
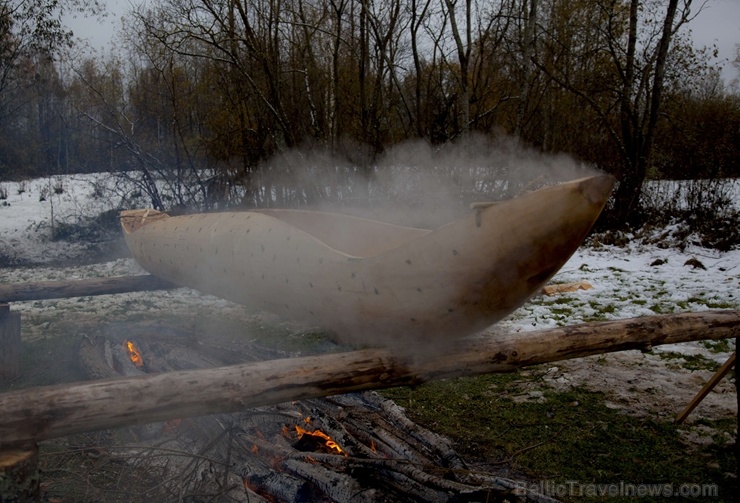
(414, 183)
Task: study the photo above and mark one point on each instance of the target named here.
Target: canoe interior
(358, 237)
(346, 234)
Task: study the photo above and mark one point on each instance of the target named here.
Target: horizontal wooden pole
(41, 290)
(54, 411)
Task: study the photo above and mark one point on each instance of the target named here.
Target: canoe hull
(369, 282)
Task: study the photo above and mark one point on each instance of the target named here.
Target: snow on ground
(637, 281)
(631, 281)
(26, 210)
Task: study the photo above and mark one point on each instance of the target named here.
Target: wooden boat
(371, 282)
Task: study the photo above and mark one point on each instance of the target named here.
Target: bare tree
(637, 51)
(462, 37)
(418, 13)
(32, 38)
(528, 48)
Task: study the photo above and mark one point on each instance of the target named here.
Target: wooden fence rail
(41, 290)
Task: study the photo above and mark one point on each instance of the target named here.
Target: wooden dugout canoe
(371, 282)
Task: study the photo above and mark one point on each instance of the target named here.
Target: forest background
(216, 103)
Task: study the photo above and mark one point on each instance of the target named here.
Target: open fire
(322, 438)
(134, 354)
(353, 447)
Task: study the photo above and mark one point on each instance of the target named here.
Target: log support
(10, 343)
(36, 414)
(709, 386)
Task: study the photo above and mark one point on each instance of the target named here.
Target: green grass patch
(720, 304)
(663, 308)
(689, 362)
(720, 346)
(601, 310)
(561, 311)
(570, 436)
(558, 301)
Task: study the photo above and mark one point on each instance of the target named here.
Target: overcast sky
(718, 23)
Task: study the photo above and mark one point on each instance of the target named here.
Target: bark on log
(42, 290)
(54, 411)
(10, 343)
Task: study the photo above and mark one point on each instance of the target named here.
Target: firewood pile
(357, 447)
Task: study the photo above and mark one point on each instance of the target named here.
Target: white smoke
(415, 183)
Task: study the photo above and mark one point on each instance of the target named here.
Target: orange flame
(134, 354)
(328, 442)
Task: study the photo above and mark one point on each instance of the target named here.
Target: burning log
(134, 354)
(55, 411)
(353, 447)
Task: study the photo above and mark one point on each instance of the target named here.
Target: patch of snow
(26, 221)
(626, 284)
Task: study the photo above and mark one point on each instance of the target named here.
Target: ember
(327, 440)
(134, 354)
